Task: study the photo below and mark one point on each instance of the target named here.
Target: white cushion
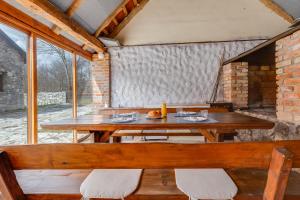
(128, 131)
(179, 131)
(110, 183)
(205, 183)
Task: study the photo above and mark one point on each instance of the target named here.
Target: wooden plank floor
(155, 184)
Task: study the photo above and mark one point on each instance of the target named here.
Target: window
(55, 89)
(84, 87)
(13, 86)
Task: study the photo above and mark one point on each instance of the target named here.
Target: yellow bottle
(164, 111)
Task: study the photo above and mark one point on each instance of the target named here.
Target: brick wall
(235, 82)
(288, 78)
(101, 80)
(262, 86)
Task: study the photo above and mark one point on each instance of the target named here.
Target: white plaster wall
(176, 74)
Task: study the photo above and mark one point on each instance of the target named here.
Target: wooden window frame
(32, 110)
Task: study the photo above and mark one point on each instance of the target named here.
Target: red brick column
(288, 78)
(101, 80)
(235, 82)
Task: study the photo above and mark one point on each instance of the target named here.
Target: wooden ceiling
(64, 22)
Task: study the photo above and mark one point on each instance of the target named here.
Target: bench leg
(101, 136)
(9, 186)
(279, 171)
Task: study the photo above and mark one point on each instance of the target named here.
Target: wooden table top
(229, 120)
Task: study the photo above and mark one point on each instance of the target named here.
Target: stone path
(13, 125)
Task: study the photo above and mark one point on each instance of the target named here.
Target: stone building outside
(12, 70)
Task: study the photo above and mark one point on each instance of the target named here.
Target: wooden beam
(135, 3)
(19, 20)
(70, 12)
(32, 91)
(48, 11)
(75, 97)
(108, 20)
(130, 16)
(9, 187)
(148, 156)
(278, 10)
(263, 45)
(279, 171)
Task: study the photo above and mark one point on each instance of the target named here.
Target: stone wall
(288, 78)
(101, 80)
(262, 86)
(177, 74)
(49, 98)
(235, 76)
(12, 70)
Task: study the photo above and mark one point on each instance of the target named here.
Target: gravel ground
(13, 125)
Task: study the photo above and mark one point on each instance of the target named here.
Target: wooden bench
(74, 161)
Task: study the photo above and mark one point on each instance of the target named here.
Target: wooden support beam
(130, 16)
(278, 10)
(48, 11)
(75, 100)
(32, 91)
(108, 20)
(70, 12)
(17, 19)
(9, 187)
(279, 171)
(125, 10)
(135, 3)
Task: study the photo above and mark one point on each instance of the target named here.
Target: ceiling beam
(278, 10)
(69, 12)
(127, 19)
(48, 11)
(110, 18)
(17, 19)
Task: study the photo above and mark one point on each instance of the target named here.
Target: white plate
(125, 114)
(186, 113)
(122, 120)
(195, 119)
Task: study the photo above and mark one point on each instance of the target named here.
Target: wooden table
(102, 126)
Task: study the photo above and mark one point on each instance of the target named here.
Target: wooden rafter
(128, 14)
(19, 20)
(127, 19)
(69, 12)
(54, 15)
(278, 10)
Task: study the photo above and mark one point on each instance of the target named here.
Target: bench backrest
(279, 157)
(110, 111)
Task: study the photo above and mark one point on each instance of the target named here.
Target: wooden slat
(74, 93)
(14, 17)
(69, 12)
(108, 20)
(208, 135)
(9, 187)
(278, 10)
(48, 11)
(279, 171)
(129, 17)
(93, 156)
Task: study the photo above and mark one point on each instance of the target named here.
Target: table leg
(208, 135)
(101, 136)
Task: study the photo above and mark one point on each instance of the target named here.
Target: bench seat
(156, 184)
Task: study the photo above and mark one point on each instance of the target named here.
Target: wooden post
(75, 102)
(279, 170)
(32, 135)
(9, 187)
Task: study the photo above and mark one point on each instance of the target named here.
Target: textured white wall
(176, 74)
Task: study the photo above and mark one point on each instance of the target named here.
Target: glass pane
(84, 87)
(54, 90)
(13, 86)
